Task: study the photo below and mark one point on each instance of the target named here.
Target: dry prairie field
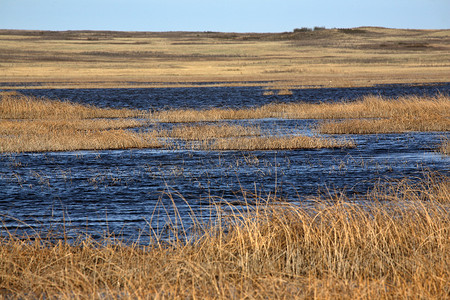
(362, 56)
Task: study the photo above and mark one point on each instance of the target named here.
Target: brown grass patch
(332, 249)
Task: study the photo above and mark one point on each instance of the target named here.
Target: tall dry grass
(276, 143)
(368, 107)
(32, 124)
(206, 131)
(14, 105)
(71, 139)
(373, 107)
(422, 123)
(333, 249)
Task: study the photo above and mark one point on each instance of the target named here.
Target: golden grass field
(395, 246)
(331, 58)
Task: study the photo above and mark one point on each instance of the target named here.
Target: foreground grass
(396, 245)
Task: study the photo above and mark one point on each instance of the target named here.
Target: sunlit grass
(206, 132)
(276, 143)
(18, 106)
(393, 245)
(32, 124)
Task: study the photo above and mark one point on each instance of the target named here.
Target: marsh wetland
(311, 164)
(184, 169)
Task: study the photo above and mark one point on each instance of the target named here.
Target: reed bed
(35, 124)
(70, 139)
(367, 107)
(276, 143)
(8, 127)
(333, 249)
(390, 125)
(372, 107)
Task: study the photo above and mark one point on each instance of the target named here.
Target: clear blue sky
(221, 15)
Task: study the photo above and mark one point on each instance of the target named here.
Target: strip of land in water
(363, 56)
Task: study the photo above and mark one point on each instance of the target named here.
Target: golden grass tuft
(276, 143)
(445, 147)
(332, 249)
(18, 106)
(71, 139)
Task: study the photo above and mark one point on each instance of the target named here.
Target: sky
(221, 15)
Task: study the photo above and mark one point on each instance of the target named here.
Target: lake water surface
(131, 192)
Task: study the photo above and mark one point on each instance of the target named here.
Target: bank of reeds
(368, 107)
(276, 143)
(34, 124)
(394, 246)
(70, 139)
(14, 105)
(400, 124)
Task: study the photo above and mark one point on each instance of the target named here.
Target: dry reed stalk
(275, 143)
(334, 249)
(17, 106)
(206, 132)
(445, 147)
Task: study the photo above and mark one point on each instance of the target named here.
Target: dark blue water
(232, 97)
(135, 193)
